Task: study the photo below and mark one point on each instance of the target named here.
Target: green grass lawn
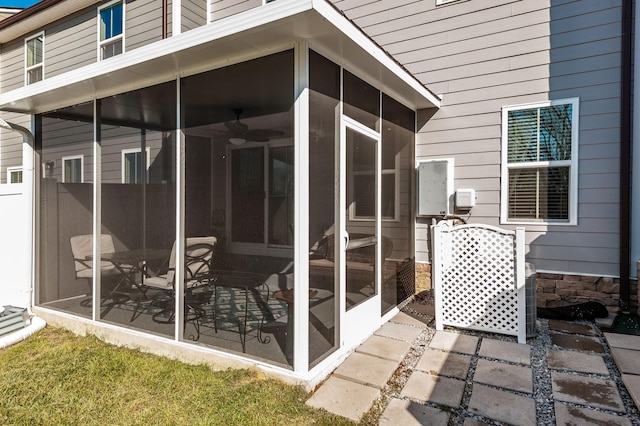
(57, 378)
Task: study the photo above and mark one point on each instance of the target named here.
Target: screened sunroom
(241, 193)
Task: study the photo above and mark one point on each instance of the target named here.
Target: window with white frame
(132, 165)
(72, 169)
(362, 183)
(14, 174)
(540, 163)
(34, 70)
(111, 30)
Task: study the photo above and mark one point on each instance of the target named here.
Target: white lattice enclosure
(479, 278)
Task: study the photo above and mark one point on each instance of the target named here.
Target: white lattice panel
(476, 278)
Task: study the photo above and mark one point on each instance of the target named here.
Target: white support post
(176, 16)
(180, 221)
(520, 285)
(436, 273)
(97, 206)
(301, 221)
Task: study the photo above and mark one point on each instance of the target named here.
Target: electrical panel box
(465, 199)
(435, 187)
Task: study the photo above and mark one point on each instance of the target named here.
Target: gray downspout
(635, 183)
(625, 153)
(165, 19)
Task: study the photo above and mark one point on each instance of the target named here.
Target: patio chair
(359, 257)
(82, 250)
(198, 261)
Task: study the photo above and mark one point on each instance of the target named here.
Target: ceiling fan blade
(236, 127)
(262, 135)
(219, 132)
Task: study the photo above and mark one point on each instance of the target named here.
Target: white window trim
(443, 2)
(11, 170)
(73, 157)
(130, 151)
(40, 65)
(121, 37)
(573, 164)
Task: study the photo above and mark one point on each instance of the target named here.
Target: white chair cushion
(161, 282)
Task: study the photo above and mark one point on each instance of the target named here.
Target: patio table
(251, 285)
(129, 263)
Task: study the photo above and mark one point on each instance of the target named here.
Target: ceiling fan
(239, 133)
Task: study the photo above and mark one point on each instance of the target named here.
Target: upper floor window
(111, 29)
(34, 59)
(540, 163)
(72, 169)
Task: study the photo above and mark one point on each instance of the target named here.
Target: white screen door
(360, 223)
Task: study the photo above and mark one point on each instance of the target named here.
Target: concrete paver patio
(593, 392)
(502, 375)
(468, 378)
(626, 353)
(498, 404)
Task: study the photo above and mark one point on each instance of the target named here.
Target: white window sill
(537, 223)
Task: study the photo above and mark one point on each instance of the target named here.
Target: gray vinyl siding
(143, 23)
(223, 8)
(12, 65)
(11, 143)
(71, 43)
(482, 55)
(194, 14)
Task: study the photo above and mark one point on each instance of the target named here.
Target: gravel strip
(542, 385)
(542, 392)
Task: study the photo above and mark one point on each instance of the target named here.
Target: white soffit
(249, 34)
